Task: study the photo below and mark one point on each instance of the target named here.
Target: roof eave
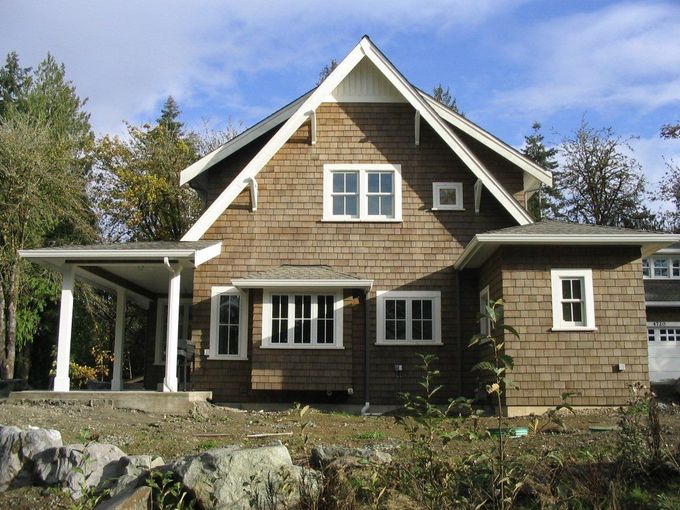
(252, 283)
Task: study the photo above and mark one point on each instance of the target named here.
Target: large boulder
(133, 470)
(243, 478)
(78, 467)
(325, 456)
(18, 448)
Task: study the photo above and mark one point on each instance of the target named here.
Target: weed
(208, 444)
(373, 435)
(552, 419)
(168, 493)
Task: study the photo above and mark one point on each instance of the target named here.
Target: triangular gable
(365, 49)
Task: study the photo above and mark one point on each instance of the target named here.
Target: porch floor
(181, 402)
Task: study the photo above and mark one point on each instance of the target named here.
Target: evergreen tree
(326, 70)
(544, 199)
(14, 82)
(444, 96)
(169, 115)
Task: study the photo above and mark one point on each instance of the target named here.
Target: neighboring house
(661, 273)
(359, 226)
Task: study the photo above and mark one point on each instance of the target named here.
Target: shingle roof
(662, 290)
(300, 272)
(552, 227)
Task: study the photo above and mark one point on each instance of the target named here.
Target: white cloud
(622, 55)
(127, 56)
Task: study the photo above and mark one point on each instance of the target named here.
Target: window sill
(572, 328)
(305, 346)
(217, 357)
(447, 209)
(409, 343)
(361, 220)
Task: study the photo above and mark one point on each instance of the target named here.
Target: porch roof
(559, 233)
(302, 276)
(139, 267)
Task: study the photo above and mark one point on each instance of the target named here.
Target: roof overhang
(483, 245)
(663, 304)
(252, 283)
(141, 271)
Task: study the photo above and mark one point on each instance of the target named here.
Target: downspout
(459, 333)
(364, 410)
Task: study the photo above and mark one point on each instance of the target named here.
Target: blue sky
(508, 62)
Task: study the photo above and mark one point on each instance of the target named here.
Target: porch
(141, 272)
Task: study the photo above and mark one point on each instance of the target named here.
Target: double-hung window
(409, 318)
(228, 323)
(362, 192)
(572, 300)
(661, 267)
(302, 320)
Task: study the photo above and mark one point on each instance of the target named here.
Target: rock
(133, 470)
(133, 499)
(340, 456)
(18, 447)
(243, 478)
(78, 467)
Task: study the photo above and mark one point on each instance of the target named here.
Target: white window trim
(652, 275)
(215, 294)
(484, 325)
(362, 170)
(556, 276)
(438, 206)
(185, 305)
(267, 319)
(435, 296)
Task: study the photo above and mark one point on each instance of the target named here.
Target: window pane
(373, 182)
(447, 196)
(275, 331)
(390, 309)
(234, 302)
(427, 309)
(417, 330)
(390, 330)
(386, 182)
(576, 289)
(351, 182)
(233, 340)
(566, 312)
(338, 182)
(223, 344)
(284, 307)
(427, 330)
(566, 289)
(578, 316)
(645, 267)
(661, 267)
(650, 334)
(416, 308)
(386, 205)
(351, 208)
(373, 205)
(338, 206)
(401, 330)
(401, 309)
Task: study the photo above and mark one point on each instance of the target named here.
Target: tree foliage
(45, 139)
(542, 201)
(670, 130)
(444, 96)
(598, 182)
(138, 192)
(326, 70)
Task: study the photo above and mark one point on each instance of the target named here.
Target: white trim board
(249, 283)
(365, 49)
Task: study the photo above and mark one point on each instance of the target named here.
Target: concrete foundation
(181, 402)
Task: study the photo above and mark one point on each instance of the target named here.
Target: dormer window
(362, 192)
(661, 267)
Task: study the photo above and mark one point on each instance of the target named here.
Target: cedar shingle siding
(416, 254)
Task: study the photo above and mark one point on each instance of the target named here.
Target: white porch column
(170, 382)
(119, 340)
(61, 379)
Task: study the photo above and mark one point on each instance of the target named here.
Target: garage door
(664, 351)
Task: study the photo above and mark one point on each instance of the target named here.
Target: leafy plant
(552, 418)
(496, 370)
(168, 493)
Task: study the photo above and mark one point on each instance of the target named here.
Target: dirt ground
(137, 432)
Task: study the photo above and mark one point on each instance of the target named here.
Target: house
(357, 227)
(661, 273)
